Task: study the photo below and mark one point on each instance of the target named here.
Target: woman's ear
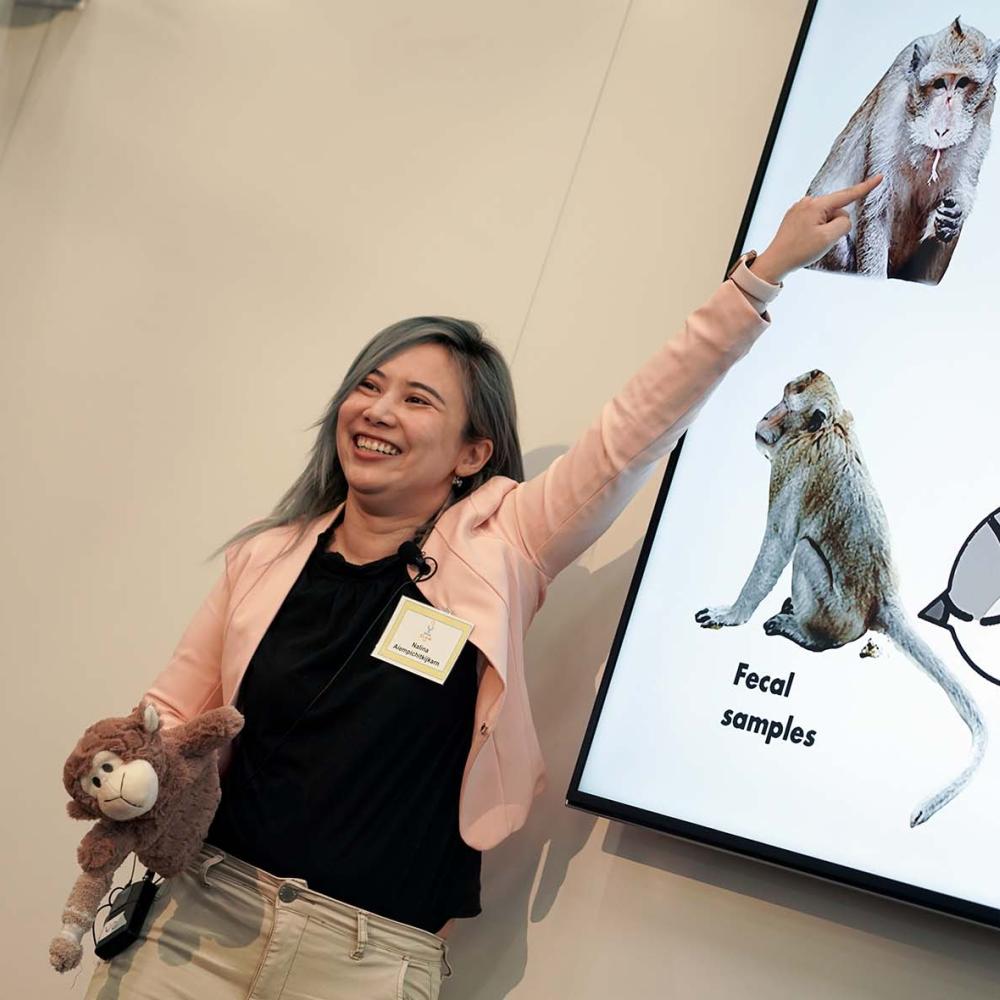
(474, 455)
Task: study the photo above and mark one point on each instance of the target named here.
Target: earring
(456, 482)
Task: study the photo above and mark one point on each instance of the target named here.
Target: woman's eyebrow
(417, 385)
(427, 388)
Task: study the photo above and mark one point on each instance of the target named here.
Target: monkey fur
(153, 792)
(926, 128)
(825, 517)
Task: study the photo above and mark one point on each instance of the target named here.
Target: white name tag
(423, 640)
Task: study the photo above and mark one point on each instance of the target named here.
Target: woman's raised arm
(554, 517)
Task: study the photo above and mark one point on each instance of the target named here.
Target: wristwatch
(754, 285)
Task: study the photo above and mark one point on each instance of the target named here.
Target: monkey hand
(65, 951)
(718, 617)
(947, 219)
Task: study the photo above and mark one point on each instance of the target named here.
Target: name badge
(423, 640)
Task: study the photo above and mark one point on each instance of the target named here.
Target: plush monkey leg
(78, 918)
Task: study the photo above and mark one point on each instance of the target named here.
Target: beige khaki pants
(224, 930)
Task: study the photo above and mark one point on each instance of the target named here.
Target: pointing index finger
(838, 199)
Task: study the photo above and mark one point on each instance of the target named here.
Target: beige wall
(205, 209)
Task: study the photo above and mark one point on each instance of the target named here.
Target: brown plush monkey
(152, 792)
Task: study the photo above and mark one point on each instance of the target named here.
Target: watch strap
(754, 285)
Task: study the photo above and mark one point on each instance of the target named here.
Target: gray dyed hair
(489, 401)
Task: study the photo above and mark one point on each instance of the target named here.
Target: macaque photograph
(815, 615)
(826, 521)
(925, 126)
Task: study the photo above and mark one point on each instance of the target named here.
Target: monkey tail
(897, 627)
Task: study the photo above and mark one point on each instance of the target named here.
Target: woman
(354, 782)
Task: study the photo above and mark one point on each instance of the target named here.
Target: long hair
(489, 401)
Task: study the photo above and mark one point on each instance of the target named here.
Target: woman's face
(401, 432)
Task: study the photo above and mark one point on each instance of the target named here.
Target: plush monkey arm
(207, 732)
(100, 853)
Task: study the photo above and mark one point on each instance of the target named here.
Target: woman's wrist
(767, 270)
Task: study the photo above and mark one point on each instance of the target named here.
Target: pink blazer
(497, 550)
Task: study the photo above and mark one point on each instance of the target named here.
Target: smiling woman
(388, 738)
(398, 434)
(431, 389)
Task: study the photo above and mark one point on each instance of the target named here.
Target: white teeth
(371, 444)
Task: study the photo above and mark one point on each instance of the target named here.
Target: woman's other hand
(810, 227)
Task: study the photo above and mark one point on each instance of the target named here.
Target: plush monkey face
(121, 790)
(951, 74)
(113, 771)
(808, 405)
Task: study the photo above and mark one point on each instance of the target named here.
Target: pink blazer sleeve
(557, 515)
(191, 682)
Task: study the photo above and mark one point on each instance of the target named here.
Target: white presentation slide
(812, 658)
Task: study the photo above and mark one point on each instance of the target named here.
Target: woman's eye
(418, 399)
(367, 384)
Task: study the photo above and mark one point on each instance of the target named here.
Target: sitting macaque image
(825, 518)
(926, 128)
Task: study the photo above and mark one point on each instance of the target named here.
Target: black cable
(116, 890)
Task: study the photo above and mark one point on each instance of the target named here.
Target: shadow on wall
(953, 939)
(30, 12)
(491, 952)
(27, 17)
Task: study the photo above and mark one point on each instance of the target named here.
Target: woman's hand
(810, 227)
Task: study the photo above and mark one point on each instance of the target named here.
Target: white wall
(206, 209)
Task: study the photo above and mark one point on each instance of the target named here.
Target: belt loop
(362, 937)
(401, 978)
(449, 972)
(213, 859)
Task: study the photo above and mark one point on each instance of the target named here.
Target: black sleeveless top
(361, 798)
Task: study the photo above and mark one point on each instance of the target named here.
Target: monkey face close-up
(949, 82)
(926, 127)
(808, 403)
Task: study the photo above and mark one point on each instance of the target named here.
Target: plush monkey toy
(153, 792)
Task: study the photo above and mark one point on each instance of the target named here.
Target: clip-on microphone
(410, 553)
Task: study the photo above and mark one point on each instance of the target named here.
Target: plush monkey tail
(898, 628)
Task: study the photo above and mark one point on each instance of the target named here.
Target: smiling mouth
(134, 805)
(374, 445)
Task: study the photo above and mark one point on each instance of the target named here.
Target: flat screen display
(807, 670)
